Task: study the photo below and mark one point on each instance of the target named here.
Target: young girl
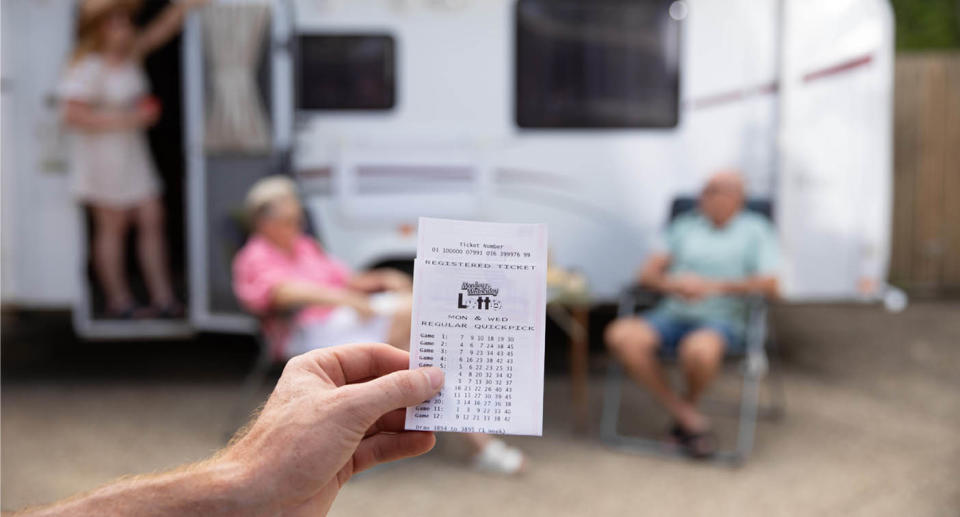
(106, 104)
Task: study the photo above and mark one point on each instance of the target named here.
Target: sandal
(170, 311)
(126, 313)
(699, 445)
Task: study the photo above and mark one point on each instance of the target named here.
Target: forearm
(654, 275)
(209, 488)
(100, 121)
(297, 294)
(380, 280)
(762, 285)
(164, 27)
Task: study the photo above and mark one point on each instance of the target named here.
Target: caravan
(587, 116)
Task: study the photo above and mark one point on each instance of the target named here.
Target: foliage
(927, 24)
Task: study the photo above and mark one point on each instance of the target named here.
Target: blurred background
(589, 116)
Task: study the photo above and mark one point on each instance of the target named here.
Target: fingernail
(435, 375)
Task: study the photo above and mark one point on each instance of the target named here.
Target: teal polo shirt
(746, 246)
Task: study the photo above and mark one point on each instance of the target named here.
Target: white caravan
(588, 116)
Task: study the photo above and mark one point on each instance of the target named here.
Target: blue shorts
(672, 330)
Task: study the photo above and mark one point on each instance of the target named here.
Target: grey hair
(265, 192)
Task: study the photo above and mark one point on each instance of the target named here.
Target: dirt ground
(872, 427)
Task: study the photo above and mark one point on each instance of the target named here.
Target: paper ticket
(479, 301)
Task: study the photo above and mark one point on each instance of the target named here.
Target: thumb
(400, 389)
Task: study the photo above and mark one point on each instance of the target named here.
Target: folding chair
(753, 362)
(234, 235)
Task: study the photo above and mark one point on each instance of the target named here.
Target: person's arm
(335, 412)
(693, 287)
(81, 115)
(291, 294)
(207, 488)
(763, 280)
(164, 26)
(381, 280)
(653, 274)
(764, 285)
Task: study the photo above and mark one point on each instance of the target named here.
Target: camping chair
(234, 235)
(753, 362)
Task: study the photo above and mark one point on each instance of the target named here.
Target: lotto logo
(478, 295)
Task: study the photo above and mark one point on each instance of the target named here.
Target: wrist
(237, 486)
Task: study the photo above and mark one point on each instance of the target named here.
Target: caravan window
(600, 63)
(343, 72)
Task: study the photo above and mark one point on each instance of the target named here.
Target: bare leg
(634, 342)
(111, 226)
(152, 250)
(701, 354)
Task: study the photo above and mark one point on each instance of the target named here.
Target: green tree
(927, 24)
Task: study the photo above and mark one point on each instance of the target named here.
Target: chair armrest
(634, 296)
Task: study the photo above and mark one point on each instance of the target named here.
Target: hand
(147, 111)
(396, 281)
(327, 420)
(693, 287)
(361, 304)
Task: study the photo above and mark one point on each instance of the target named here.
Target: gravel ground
(872, 428)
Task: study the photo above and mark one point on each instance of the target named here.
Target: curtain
(233, 38)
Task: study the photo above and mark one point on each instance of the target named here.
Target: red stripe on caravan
(719, 99)
(838, 68)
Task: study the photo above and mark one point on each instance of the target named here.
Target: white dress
(110, 168)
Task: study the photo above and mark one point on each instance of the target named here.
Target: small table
(571, 312)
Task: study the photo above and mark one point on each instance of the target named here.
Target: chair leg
(610, 419)
(611, 402)
(776, 409)
(749, 406)
(248, 391)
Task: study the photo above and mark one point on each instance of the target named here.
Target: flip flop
(699, 445)
(171, 311)
(126, 313)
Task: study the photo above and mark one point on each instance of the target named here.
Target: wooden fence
(926, 213)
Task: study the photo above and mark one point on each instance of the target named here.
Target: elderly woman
(307, 299)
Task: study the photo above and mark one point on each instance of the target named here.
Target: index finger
(356, 362)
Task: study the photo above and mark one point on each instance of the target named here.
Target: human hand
(693, 287)
(361, 304)
(335, 412)
(394, 280)
(147, 111)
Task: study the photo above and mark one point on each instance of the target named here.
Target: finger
(391, 422)
(356, 361)
(399, 389)
(381, 448)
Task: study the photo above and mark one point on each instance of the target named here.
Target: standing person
(106, 105)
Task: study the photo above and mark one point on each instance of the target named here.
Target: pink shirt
(260, 266)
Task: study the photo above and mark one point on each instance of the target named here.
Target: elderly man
(708, 260)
